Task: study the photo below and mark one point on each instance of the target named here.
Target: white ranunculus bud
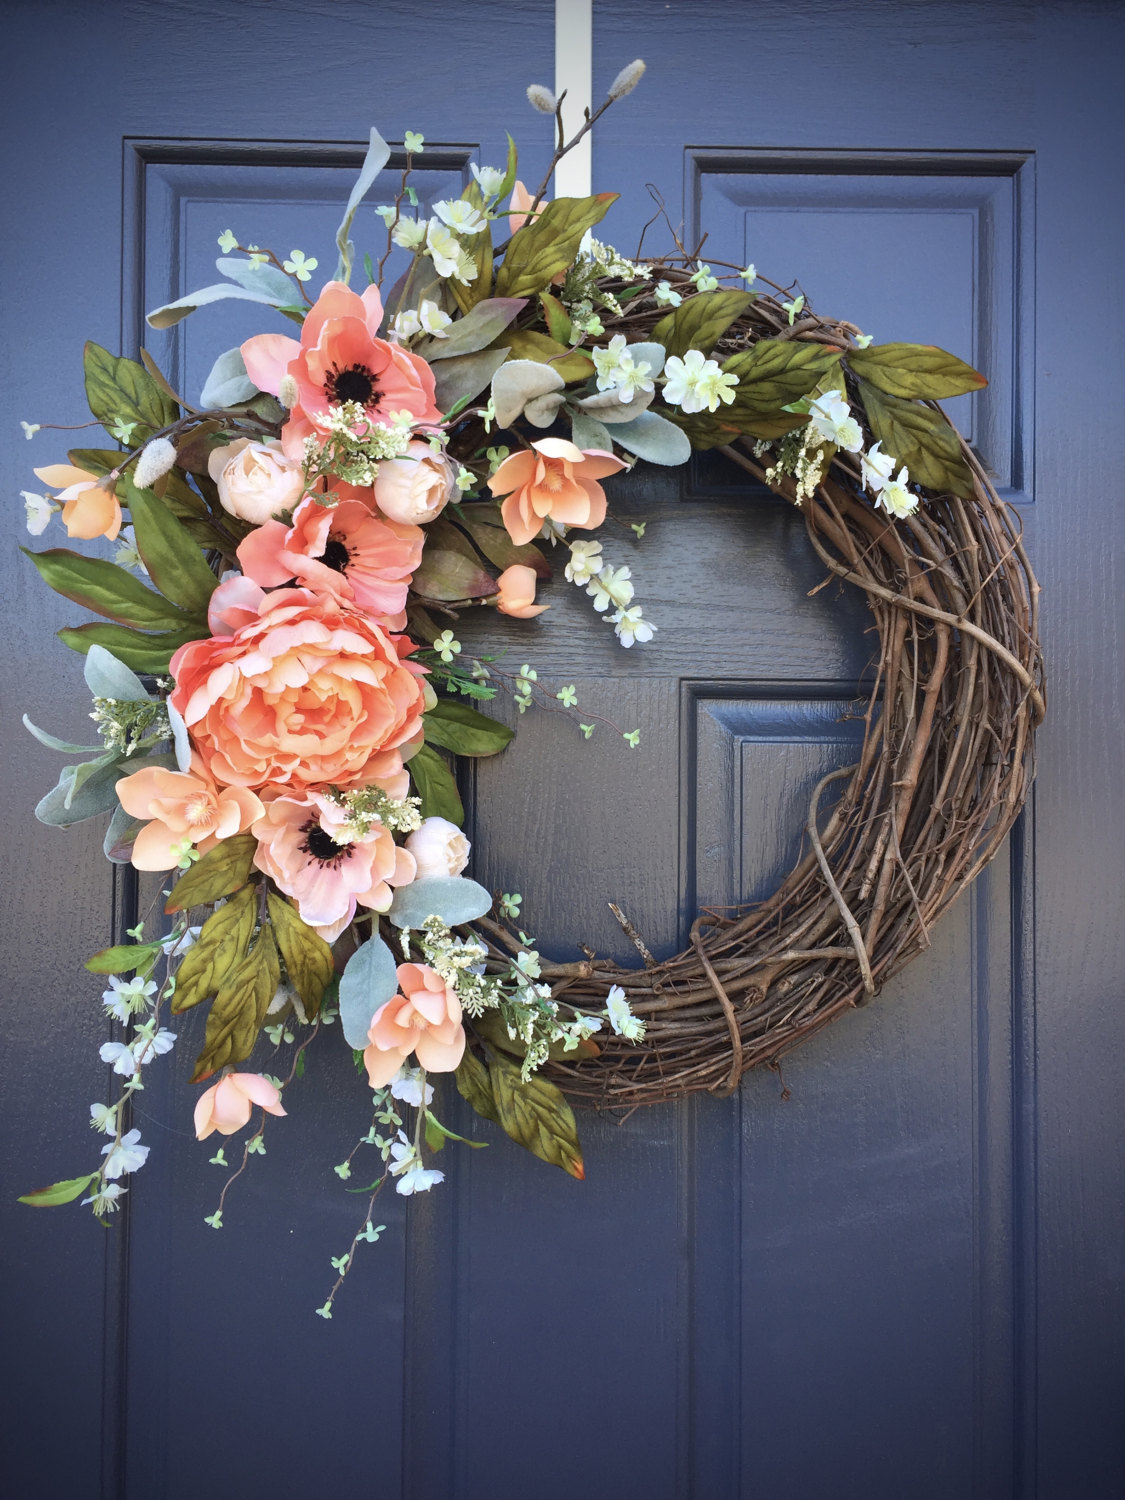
(256, 480)
(439, 848)
(542, 99)
(416, 487)
(155, 460)
(627, 80)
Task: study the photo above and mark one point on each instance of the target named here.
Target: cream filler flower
(618, 371)
(831, 418)
(696, 383)
(448, 254)
(585, 561)
(460, 216)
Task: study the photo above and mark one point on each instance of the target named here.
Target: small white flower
(621, 1018)
(409, 1084)
(30, 429)
(541, 98)
(154, 462)
(127, 556)
(406, 325)
(418, 1179)
(830, 417)
(862, 340)
(413, 142)
(228, 241)
(125, 1156)
(103, 1118)
(627, 80)
(300, 265)
(446, 251)
(585, 561)
(409, 234)
(489, 179)
(631, 626)
(120, 1056)
(433, 320)
(665, 295)
(149, 1045)
(178, 946)
(877, 468)
(126, 997)
(105, 1199)
(611, 586)
(896, 499)
(750, 275)
(703, 278)
(446, 646)
(695, 383)
(39, 510)
(617, 370)
(459, 215)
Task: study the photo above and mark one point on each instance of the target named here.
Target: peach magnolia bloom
(226, 1105)
(304, 692)
(555, 479)
(424, 1018)
(184, 806)
(340, 358)
(304, 844)
(517, 593)
(255, 480)
(521, 200)
(342, 550)
(89, 506)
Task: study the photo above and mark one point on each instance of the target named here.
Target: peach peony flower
(517, 593)
(185, 807)
(342, 550)
(425, 1018)
(306, 846)
(439, 848)
(340, 358)
(306, 692)
(416, 487)
(89, 507)
(555, 480)
(226, 1105)
(255, 480)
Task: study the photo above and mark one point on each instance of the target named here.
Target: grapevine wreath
(277, 683)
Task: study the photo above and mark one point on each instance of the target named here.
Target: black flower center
(336, 555)
(321, 846)
(356, 383)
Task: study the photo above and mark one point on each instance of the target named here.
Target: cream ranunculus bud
(417, 487)
(256, 480)
(439, 848)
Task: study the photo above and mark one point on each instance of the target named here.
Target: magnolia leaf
(446, 575)
(772, 424)
(59, 1192)
(105, 589)
(479, 248)
(106, 677)
(119, 389)
(915, 371)
(120, 836)
(221, 871)
(239, 1008)
(175, 312)
(556, 317)
(518, 382)
(464, 730)
(123, 958)
(453, 898)
(96, 461)
(474, 1086)
(434, 783)
(53, 743)
(773, 373)
(174, 561)
(460, 379)
(369, 980)
(607, 406)
(144, 653)
(258, 276)
(700, 321)
(219, 948)
(308, 958)
(378, 154)
(228, 382)
(654, 438)
(482, 521)
(475, 331)
(571, 364)
(587, 432)
(535, 1115)
(547, 245)
(920, 438)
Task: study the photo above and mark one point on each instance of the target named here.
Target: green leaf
(308, 958)
(474, 1086)
(144, 653)
(222, 871)
(434, 783)
(481, 519)
(123, 958)
(369, 980)
(464, 730)
(219, 948)
(915, 371)
(239, 1008)
(700, 321)
(96, 461)
(539, 250)
(773, 373)
(59, 1192)
(556, 317)
(437, 1134)
(525, 343)
(453, 898)
(920, 438)
(535, 1115)
(173, 559)
(510, 170)
(105, 589)
(475, 331)
(121, 389)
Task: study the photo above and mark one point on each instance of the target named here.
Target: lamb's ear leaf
(378, 154)
(369, 979)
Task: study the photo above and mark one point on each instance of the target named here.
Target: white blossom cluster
(611, 589)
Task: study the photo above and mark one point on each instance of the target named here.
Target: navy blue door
(894, 1272)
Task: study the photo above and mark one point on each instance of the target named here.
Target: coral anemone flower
(424, 1018)
(556, 480)
(89, 507)
(342, 550)
(185, 808)
(340, 358)
(226, 1105)
(517, 593)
